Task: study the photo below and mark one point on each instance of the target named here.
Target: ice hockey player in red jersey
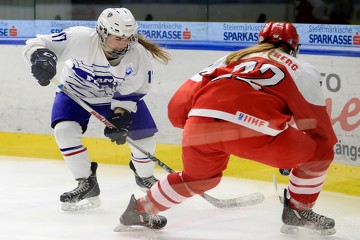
(242, 105)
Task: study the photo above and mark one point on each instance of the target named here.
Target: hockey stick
(242, 201)
(276, 189)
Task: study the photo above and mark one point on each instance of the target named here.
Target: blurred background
(299, 11)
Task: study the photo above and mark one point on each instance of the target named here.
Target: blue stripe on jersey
(131, 97)
(70, 148)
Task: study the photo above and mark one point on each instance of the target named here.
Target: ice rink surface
(30, 208)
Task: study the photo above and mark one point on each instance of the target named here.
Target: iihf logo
(250, 119)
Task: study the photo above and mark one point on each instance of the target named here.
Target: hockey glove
(122, 122)
(43, 65)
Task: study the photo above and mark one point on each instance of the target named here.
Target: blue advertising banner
(246, 33)
(187, 31)
(329, 35)
(16, 28)
(343, 40)
(47, 27)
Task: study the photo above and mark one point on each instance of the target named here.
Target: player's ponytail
(236, 56)
(156, 51)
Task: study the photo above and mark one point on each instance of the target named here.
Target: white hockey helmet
(119, 22)
(116, 21)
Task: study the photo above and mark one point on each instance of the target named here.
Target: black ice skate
(144, 183)
(308, 219)
(85, 196)
(132, 217)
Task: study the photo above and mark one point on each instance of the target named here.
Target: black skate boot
(144, 183)
(133, 217)
(308, 219)
(87, 189)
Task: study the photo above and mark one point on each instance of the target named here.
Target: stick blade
(242, 201)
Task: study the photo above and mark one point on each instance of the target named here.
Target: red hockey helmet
(280, 33)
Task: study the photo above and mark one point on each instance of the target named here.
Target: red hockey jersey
(263, 92)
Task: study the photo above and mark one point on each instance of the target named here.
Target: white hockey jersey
(87, 72)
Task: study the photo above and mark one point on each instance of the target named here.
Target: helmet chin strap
(295, 51)
(110, 53)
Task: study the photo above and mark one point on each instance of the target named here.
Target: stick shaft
(110, 125)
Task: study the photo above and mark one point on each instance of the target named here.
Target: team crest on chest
(129, 70)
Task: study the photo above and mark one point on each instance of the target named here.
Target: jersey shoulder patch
(59, 37)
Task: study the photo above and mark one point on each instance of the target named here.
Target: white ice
(30, 208)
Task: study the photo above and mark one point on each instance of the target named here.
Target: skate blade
(85, 204)
(123, 228)
(288, 229)
(134, 228)
(137, 232)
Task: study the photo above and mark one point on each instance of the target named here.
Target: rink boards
(341, 178)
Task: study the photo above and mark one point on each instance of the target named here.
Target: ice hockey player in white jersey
(109, 68)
